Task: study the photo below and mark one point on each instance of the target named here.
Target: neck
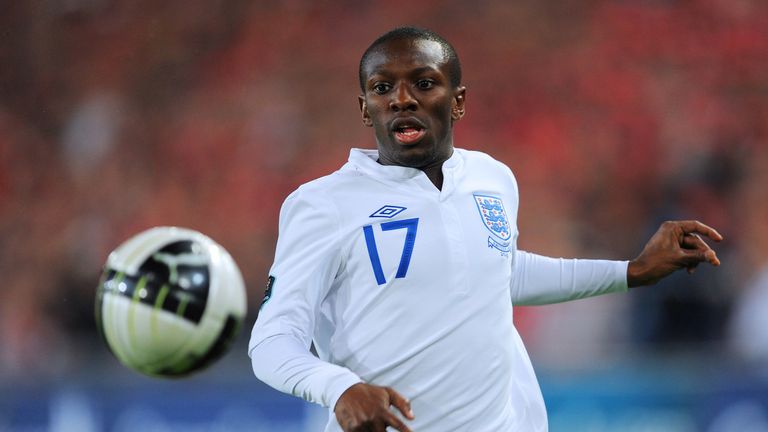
(434, 171)
(432, 166)
(435, 175)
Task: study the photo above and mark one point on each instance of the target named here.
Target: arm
(539, 280)
(283, 362)
(307, 260)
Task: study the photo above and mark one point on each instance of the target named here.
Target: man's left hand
(676, 245)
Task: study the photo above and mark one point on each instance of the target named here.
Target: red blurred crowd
(116, 116)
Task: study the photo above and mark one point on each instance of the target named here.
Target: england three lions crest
(495, 219)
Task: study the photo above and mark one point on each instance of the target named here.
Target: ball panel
(113, 321)
(201, 360)
(181, 289)
(116, 328)
(183, 266)
(226, 282)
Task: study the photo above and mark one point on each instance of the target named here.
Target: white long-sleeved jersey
(403, 285)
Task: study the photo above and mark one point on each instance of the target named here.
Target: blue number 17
(410, 238)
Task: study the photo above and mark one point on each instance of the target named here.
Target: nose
(402, 100)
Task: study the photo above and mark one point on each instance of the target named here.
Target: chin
(417, 155)
(414, 156)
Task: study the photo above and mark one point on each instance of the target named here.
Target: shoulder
(322, 196)
(323, 189)
(479, 162)
(317, 187)
(480, 158)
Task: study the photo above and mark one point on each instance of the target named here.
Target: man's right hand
(365, 408)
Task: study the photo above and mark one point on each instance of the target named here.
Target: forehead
(405, 54)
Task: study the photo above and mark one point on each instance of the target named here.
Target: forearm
(539, 280)
(282, 362)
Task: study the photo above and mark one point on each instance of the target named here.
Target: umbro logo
(388, 211)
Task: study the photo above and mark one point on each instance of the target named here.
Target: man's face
(410, 103)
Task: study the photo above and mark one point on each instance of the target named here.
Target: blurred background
(116, 116)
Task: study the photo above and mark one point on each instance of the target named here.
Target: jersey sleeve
(307, 259)
(540, 280)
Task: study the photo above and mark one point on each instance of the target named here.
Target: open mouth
(408, 131)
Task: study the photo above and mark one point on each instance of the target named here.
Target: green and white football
(170, 301)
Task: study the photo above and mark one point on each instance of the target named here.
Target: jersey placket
(454, 234)
(453, 231)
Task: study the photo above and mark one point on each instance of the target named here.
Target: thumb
(400, 403)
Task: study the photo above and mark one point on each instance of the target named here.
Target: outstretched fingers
(697, 250)
(696, 227)
(366, 407)
(401, 403)
(676, 245)
(395, 422)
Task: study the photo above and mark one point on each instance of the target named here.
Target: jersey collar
(365, 161)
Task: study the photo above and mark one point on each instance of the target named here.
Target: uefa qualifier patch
(494, 218)
(268, 290)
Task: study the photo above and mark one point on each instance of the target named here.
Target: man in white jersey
(402, 268)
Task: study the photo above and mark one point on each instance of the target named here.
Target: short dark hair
(401, 33)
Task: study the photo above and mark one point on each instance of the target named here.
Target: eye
(425, 84)
(381, 88)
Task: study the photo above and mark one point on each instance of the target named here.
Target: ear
(459, 100)
(364, 111)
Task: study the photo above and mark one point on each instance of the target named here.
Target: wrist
(341, 390)
(634, 272)
(639, 274)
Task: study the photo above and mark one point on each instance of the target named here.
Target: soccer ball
(170, 301)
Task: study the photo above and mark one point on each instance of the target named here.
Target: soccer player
(402, 268)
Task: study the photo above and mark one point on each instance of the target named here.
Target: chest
(425, 246)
